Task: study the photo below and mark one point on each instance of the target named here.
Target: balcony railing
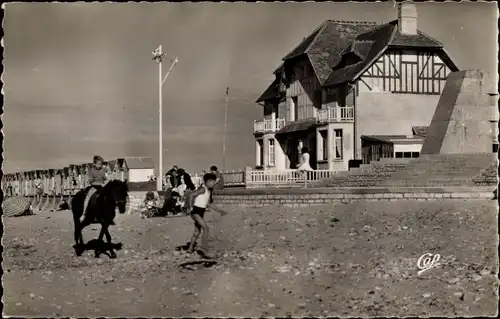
(264, 126)
(259, 178)
(336, 114)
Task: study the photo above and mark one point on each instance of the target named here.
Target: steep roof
(324, 45)
(383, 37)
(302, 125)
(419, 40)
(139, 162)
(378, 39)
(270, 93)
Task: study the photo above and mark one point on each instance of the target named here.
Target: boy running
(200, 200)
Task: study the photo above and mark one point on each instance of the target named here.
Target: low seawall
(317, 196)
(304, 197)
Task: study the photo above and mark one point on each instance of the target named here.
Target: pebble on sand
(484, 272)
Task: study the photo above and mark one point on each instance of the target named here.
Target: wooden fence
(250, 178)
(60, 183)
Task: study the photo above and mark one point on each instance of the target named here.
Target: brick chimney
(407, 18)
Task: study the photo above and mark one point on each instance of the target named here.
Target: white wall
(347, 147)
(407, 148)
(279, 154)
(140, 175)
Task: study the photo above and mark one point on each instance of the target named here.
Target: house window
(260, 153)
(295, 101)
(271, 159)
(323, 145)
(338, 144)
(318, 99)
(407, 154)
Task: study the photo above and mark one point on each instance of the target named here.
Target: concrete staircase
(427, 171)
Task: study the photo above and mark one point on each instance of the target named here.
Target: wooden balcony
(336, 114)
(268, 126)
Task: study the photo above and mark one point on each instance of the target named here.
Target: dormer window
(299, 72)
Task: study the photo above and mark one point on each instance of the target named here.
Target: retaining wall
(318, 196)
(303, 197)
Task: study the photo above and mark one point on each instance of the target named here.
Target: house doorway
(293, 152)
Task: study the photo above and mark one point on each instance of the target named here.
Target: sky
(79, 78)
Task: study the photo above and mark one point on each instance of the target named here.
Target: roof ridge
(362, 41)
(425, 34)
(375, 27)
(305, 38)
(320, 30)
(354, 22)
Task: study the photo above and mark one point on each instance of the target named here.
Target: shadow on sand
(98, 246)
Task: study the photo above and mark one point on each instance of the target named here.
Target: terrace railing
(336, 114)
(264, 126)
(260, 178)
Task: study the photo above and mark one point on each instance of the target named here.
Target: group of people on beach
(195, 201)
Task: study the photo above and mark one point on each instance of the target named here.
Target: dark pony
(99, 211)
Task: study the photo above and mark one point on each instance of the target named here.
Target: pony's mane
(116, 183)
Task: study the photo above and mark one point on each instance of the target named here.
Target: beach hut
(52, 181)
(18, 184)
(113, 170)
(58, 181)
(138, 169)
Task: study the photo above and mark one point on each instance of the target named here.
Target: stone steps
(442, 170)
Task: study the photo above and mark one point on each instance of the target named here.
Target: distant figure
(97, 179)
(149, 206)
(171, 206)
(63, 205)
(219, 182)
(10, 191)
(171, 176)
(304, 165)
(38, 189)
(181, 173)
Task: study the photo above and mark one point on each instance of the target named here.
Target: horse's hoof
(78, 250)
(112, 255)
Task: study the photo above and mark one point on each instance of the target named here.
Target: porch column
(291, 113)
(265, 148)
(257, 153)
(319, 145)
(331, 146)
(280, 156)
(273, 119)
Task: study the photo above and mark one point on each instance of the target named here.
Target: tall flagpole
(158, 56)
(159, 179)
(225, 131)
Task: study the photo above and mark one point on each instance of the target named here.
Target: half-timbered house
(346, 80)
